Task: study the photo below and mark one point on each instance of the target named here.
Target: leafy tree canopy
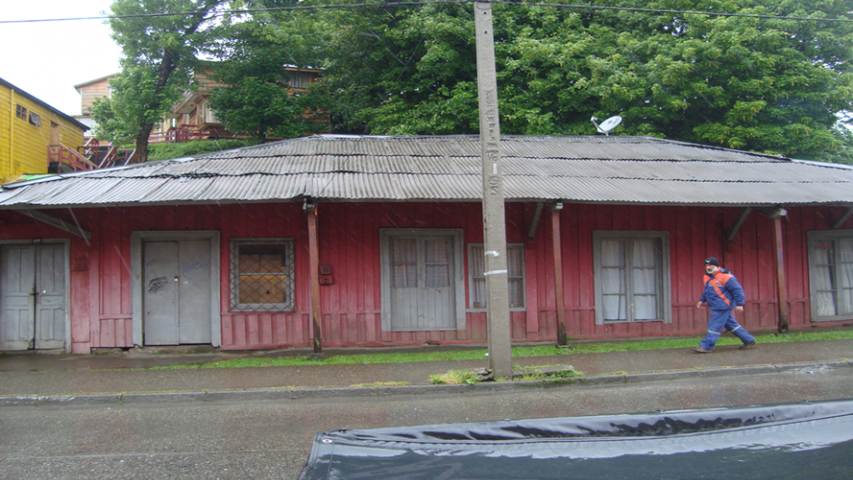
(158, 55)
(767, 85)
(762, 84)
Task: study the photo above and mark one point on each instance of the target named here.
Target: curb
(350, 392)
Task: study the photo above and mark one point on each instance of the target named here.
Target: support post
(76, 230)
(314, 259)
(738, 223)
(494, 217)
(534, 222)
(558, 273)
(782, 325)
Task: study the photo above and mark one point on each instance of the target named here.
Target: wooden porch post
(782, 325)
(314, 259)
(558, 273)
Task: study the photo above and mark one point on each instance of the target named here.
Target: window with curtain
(262, 275)
(831, 274)
(631, 276)
(477, 281)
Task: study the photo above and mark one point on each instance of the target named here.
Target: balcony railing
(59, 155)
(189, 133)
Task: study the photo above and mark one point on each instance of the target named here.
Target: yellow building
(36, 138)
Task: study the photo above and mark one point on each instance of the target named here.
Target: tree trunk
(141, 154)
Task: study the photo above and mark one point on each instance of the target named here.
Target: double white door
(33, 312)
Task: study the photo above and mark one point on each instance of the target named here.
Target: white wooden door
(422, 283)
(176, 292)
(32, 297)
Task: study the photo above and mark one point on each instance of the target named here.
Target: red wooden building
(380, 239)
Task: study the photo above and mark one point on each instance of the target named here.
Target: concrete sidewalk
(44, 379)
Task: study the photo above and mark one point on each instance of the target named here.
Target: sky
(47, 59)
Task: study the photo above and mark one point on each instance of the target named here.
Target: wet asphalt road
(272, 439)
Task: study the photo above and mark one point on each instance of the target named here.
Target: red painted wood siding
(349, 242)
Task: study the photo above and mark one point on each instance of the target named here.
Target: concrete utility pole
(494, 219)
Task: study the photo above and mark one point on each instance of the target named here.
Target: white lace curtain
(832, 276)
(615, 268)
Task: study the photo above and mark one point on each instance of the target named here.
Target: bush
(163, 151)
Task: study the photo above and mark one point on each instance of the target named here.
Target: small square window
(35, 119)
(298, 80)
(262, 275)
(21, 112)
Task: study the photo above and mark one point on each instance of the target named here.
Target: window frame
(664, 282)
(471, 278)
(21, 112)
(35, 118)
(813, 238)
(234, 275)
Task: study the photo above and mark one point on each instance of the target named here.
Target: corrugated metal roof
(370, 168)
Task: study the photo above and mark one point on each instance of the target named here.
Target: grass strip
(517, 352)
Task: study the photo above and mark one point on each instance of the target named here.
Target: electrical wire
(445, 2)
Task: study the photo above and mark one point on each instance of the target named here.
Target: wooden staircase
(106, 156)
(61, 159)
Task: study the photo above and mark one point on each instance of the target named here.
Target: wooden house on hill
(190, 119)
(193, 119)
(225, 249)
(89, 92)
(36, 138)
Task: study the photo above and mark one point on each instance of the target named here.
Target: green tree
(159, 53)
(761, 84)
(255, 97)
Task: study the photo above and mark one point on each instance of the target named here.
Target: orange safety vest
(716, 282)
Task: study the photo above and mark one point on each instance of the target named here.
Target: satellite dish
(608, 125)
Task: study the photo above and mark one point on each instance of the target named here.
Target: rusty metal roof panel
(393, 187)
(254, 188)
(69, 192)
(576, 147)
(339, 167)
(31, 195)
(139, 170)
(665, 192)
(670, 170)
(181, 190)
(124, 191)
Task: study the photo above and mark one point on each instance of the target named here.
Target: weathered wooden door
(176, 292)
(422, 283)
(32, 297)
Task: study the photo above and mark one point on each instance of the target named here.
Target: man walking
(722, 294)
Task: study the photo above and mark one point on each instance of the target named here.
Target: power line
(443, 2)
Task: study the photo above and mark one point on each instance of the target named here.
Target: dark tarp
(778, 442)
